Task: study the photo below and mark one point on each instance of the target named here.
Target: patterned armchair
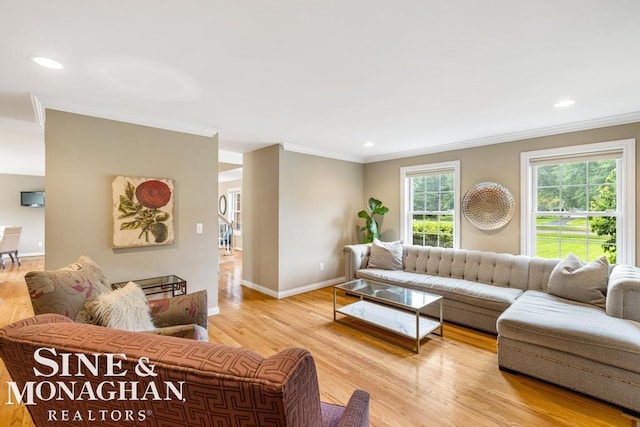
(71, 291)
(213, 384)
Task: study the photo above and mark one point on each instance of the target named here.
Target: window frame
(406, 229)
(626, 233)
(237, 225)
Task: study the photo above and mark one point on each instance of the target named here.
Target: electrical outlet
(199, 228)
(321, 266)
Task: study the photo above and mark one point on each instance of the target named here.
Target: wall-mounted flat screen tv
(34, 199)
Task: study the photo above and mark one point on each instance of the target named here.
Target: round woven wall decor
(488, 205)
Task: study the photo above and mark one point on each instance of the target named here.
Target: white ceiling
(322, 76)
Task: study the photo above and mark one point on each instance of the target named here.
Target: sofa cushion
(125, 308)
(576, 281)
(477, 294)
(386, 255)
(180, 310)
(572, 327)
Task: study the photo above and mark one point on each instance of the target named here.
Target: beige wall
(31, 219)
(319, 202)
(300, 210)
(260, 235)
(499, 163)
(84, 153)
(223, 189)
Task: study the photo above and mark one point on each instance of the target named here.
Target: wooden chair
(9, 239)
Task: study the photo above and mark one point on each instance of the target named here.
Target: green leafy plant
(144, 209)
(371, 229)
(605, 199)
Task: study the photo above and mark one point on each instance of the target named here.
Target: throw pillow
(125, 308)
(386, 255)
(65, 291)
(571, 279)
(84, 263)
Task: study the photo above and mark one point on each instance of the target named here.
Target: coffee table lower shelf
(391, 319)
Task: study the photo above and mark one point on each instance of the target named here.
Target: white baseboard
(260, 288)
(27, 254)
(213, 311)
(294, 291)
(311, 287)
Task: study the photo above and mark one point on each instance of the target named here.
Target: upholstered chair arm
(356, 257)
(292, 374)
(356, 413)
(42, 318)
(180, 310)
(623, 292)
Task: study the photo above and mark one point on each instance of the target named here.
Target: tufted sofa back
(491, 268)
(498, 269)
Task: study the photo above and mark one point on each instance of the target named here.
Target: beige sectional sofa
(592, 347)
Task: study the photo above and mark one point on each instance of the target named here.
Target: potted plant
(370, 229)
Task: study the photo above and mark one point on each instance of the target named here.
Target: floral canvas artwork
(143, 211)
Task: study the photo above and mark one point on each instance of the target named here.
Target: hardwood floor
(454, 381)
(14, 305)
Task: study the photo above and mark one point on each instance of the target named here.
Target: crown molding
(40, 103)
(128, 117)
(321, 153)
(232, 157)
(38, 110)
(513, 136)
(230, 175)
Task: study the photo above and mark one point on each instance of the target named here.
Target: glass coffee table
(393, 308)
(159, 285)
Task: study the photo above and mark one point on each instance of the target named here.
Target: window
(430, 204)
(235, 210)
(580, 200)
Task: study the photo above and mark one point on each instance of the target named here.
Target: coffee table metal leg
(441, 324)
(334, 304)
(417, 331)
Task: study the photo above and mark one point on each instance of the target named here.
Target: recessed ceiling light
(47, 62)
(369, 144)
(564, 103)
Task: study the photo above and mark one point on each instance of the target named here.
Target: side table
(158, 285)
